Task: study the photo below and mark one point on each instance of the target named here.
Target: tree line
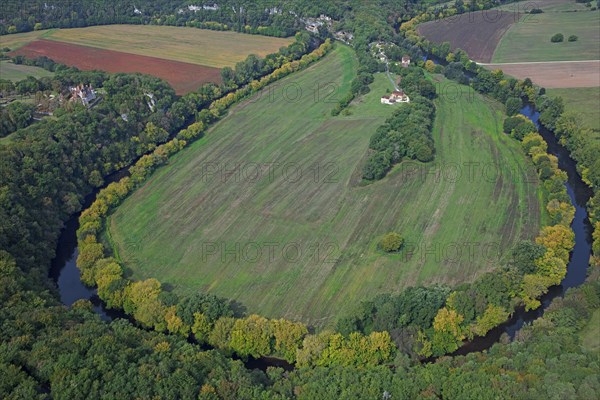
(264, 17)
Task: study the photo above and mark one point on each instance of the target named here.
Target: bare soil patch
(184, 77)
(478, 33)
(571, 74)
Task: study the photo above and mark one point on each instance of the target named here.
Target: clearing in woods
(268, 208)
(16, 72)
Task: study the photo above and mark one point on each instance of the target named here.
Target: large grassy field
(18, 40)
(197, 46)
(584, 101)
(14, 72)
(529, 39)
(590, 335)
(298, 238)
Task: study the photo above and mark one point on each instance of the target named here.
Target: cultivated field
(197, 46)
(545, 5)
(185, 57)
(477, 33)
(584, 101)
(567, 74)
(183, 77)
(268, 209)
(14, 72)
(18, 40)
(529, 39)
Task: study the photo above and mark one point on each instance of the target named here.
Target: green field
(18, 40)
(14, 72)
(529, 39)
(590, 335)
(584, 101)
(306, 245)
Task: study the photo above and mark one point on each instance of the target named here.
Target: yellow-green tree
(141, 301)
(202, 327)
(532, 288)
(251, 336)
(559, 238)
(448, 333)
(492, 317)
(288, 337)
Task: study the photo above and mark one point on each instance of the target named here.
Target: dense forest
(189, 347)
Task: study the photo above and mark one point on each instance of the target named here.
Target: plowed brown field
(478, 33)
(555, 74)
(184, 77)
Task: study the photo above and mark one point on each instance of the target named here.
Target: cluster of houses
(84, 94)
(313, 24)
(196, 8)
(344, 36)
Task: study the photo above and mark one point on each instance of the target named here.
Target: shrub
(391, 242)
(573, 38)
(557, 38)
(536, 11)
(513, 105)
(511, 123)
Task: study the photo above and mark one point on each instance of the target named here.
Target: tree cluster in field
(559, 37)
(407, 133)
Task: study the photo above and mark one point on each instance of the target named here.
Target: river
(65, 273)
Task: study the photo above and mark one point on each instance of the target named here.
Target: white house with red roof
(397, 96)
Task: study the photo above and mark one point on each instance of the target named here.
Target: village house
(397, 96)
(84, 93)
(343, 36)
(405, 61)
(312, 24)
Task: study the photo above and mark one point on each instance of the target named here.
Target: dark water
(63, 269)
(65, 273)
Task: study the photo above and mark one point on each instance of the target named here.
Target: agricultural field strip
(540, 62)
(197, 46)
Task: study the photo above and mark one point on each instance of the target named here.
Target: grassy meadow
(14, 72)
(529, 39)
(590, 335)
(269, 209)
(584, 101)
(18, 40)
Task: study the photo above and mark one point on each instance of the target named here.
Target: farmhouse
(405, 61)
(84, 93)
(395, 97)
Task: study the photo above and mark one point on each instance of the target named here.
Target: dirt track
(555, 74)
(183, 77)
